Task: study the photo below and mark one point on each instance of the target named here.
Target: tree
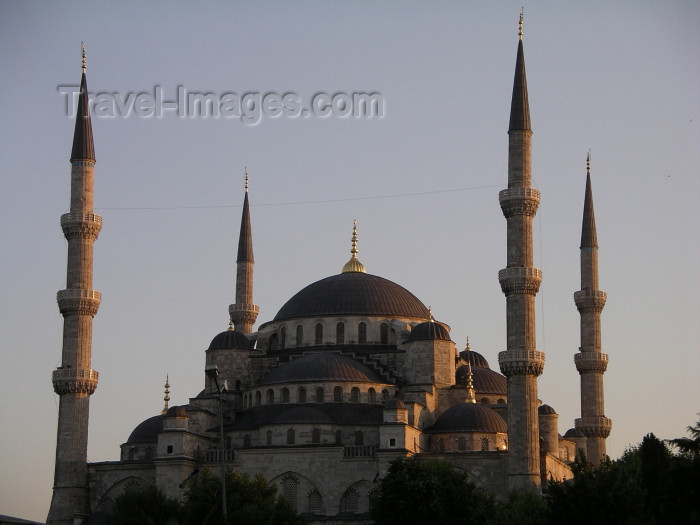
(419, 492)
(144, 506)
(689, 446)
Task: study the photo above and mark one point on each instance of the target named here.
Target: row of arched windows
(352, 500)
(339, 335)
(319, 396)
(359, 437)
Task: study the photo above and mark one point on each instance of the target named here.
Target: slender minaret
(74, 381)
(521, 363)
(243, 312)
(590, 361)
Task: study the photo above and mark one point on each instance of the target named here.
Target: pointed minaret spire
(591, 362)
(83, 147)
(354, 265)
(166, 397)
(243, 312)
(519, 106)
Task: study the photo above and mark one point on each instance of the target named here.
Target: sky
(620, 80)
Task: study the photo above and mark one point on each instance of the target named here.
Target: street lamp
(212, 372)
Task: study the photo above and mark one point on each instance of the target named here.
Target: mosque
(351, 373)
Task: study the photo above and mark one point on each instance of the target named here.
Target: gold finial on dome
(468, 348)
(354, 265)
(520, 25)
(230, 326)
(84, 55)
(166, 398)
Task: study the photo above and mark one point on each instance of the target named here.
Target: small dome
(475, 358)
(147, 431)
(429, 331)
(574, 433)
(545, 409)
(469, 417)
(485, 380)
(322, 367)
(230, 340)
(394, 403)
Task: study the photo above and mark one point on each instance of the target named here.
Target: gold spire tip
(520, 25)
(84, 55)
(246, 179)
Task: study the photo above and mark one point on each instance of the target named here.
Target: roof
(545, 409)
(519, 106)
(322, 367)
(353, 293)
(469, 417)
(245, 237)
(589, 238)
(475, 358)
(230, 339)
(147, 431)
(429, 331)
(83, 146)
(485, 380)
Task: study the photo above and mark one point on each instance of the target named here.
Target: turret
(521, 363)
(591, 362)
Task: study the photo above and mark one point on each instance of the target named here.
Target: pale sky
(621, 79)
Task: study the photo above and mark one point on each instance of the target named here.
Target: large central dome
(353, 293)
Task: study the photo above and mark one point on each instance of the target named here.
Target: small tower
(591, 362)
(243, 312)
(74, 381)
(521, 363)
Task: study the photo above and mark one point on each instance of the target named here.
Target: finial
(166, 398)
(354, 265)
(84, 55)
(246, 179)
(588, 162)
(430, 314)
(468, 348)
(230, 326)
(520, 25)
(471, 395)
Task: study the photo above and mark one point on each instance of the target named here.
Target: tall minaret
(590, 361)
(521, 363)
(244, 313)
(74, 381)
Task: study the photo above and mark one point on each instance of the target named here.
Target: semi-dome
(545, 410)
(147, 431)
(574, 433)
(230, 339)
(429, 331)
(485, 380)
(322, 367)
(353, 293)
(469, 417)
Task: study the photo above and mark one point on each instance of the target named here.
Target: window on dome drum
(258, 398)
(338, 394)
(501, 401)
(285, 395)
(340, 333)
(269, 396)
(355, 395)
(319, 395)
(315, 435)
(384, 333)
(268, 438)
(300, 335)
(484, 444)
(484, 401)
(283, 337)
(371, 395)
(301, 395)
(362, 333)
(319, 334)
(291, 436)
(315, 501)
(359, 437)
(149, 453)
(440, 445)
(272, 345)
(338, 437)
(462, 444)
(385, 395)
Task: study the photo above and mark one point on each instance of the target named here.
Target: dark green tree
(144, 506)
(689, 446)
(421, 492)
(524, 507)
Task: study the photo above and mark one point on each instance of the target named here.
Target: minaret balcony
(590, 300)
(84, 225)
(519, 201)
(243, 313)
(591, 362)
(521, 362)
(520, 280)
(78, 301)
(594, 426)
(67, 380)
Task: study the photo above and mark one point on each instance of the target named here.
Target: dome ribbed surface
(486, 381)
(475, 358)
(429, 331)
(147, 431)
(230, 339)
(469, 417)
(322, 367)
(353, 293)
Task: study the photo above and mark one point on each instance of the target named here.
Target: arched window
(283, 337)
(301, 395)
(350, 501)
(362, 333)
(270, 396)
(149, 453)
(501, 401)
(338, 437)
(439, 445)
(268, 437)
(371, 395)
(290, 486)
(484, 443)
(291, 436)
(355, 395)
(462, 444)
(338, 394)
(385, 395)
(258, 398)
(319, 395)
(484, 400)
(238, 384)
(272, 345)
(300, 335)
(315, 501)
(340, 333)
(315, 435)
(285, 395)
(359, 437)
(246, 440)
(319, 334)
(384, 334)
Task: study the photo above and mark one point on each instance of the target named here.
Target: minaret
(521, 363)
(591, 362)
(74, 381)
(243, 312)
